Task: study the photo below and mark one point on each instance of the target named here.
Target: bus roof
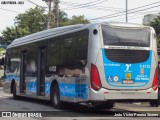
(46, 34)
(124, 25)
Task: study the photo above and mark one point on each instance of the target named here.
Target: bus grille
(127, 56)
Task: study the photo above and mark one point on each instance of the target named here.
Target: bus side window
(68, 43)
(14, 65)
(8, 64)
(82, 49)
(54, 57)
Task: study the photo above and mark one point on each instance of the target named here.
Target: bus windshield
(126, 36)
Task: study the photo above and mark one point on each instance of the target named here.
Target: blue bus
(97, 64)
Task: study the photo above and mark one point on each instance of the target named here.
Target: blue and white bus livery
(98, 64)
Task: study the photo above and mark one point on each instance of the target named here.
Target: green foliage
(1, 49)
(74, 20)
(63, 19)
(9, 33)
(78, 19)
(156, 25)
(34, 20)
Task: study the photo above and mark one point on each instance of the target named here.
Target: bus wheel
(154, 103)
(56, 97)
(15, 97)
(105, 106)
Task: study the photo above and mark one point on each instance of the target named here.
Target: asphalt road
(71, 111)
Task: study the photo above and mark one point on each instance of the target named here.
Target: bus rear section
(125, 68)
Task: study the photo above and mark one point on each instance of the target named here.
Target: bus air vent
(127, 56)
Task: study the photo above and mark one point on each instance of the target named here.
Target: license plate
(128, 82)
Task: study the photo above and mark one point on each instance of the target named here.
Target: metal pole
(49, 17)
(126, 11)
(15, 28)
(56, 12)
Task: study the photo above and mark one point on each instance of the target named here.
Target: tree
(63, 18)
(78, 19)
(9, 33)
(34, 20)
(156, 25)
(1, 38)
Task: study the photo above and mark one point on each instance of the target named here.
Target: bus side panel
(73, 89)
(8, 80)
(31, 85)
(7, 84)
(94, 48)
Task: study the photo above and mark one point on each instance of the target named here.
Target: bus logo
(128, 76)
(128, 66)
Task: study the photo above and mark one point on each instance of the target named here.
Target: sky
(113, 10)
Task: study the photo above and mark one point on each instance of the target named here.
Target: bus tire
(105, 106)
(15, 97)
(154, 103)
(56, 97)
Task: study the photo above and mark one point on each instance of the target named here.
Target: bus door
(41, 71)
(23, 72)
